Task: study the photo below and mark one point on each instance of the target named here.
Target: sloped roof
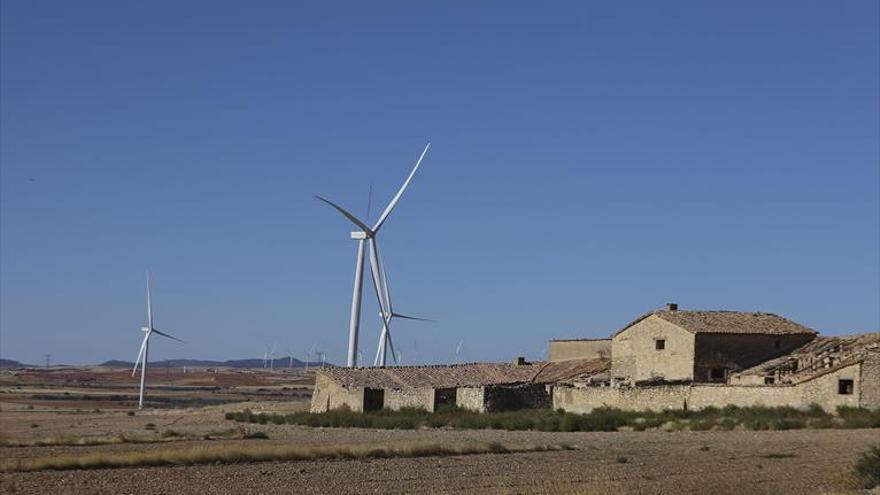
(819, 355)
(554, 372)
(462, 375)
(729, 322)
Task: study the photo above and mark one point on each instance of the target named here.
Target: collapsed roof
(818, 356)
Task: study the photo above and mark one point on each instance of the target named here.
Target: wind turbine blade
(149, 303)
(405, 317)
(140, 354)
(348, 215)
(369, 203)
(379, 347)
(377, 279)
(168, 336)
(383, 277)
(391, 346)
(397, 196)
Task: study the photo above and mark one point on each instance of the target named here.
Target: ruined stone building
(478, 387)
(666, 359)
(672, 359)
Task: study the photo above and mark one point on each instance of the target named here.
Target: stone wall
(330, 395)
(634, 356)
(870, 382)
(421, 397)
(514, 397)
(565, 350)
(822, 390)
(734, 352)
(471, 398)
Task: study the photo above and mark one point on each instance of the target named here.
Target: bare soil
(653, 462)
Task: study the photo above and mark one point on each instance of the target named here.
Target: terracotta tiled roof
(568, 370)
(462, 375)
(728, 322)
(439, 376)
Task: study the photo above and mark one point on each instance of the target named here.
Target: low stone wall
(397, 398)
(471, 398)
(822, 390)
(514, 397)
(870, 383)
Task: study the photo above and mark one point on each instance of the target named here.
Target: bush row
(602, 419)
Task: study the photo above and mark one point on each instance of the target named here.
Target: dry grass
(165, 436)
(228, 454)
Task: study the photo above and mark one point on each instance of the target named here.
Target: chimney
(519, 361)
(671, 307)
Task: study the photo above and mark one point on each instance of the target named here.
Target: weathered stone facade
(330, 395)
(511, 398)
(564, 350)
(824, 390)
(635, 355)
(471, 398)
(700, 346)
(725, 353)
(417, 397)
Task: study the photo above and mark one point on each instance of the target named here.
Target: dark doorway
(374, 399)
(444, 398)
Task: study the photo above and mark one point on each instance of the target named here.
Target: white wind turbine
(145, 345)
(367, 235)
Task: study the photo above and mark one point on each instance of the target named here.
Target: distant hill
(11, 363)
(199, 363)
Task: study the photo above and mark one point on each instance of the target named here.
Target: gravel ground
(801, 461)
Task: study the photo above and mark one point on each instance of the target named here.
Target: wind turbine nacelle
(145, 329)
(359, 235)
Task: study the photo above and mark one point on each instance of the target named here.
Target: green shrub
(600, 419)
(859, 417)
(868, 468)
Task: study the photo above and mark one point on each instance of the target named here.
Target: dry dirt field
(802, 461)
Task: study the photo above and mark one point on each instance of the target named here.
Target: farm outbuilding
(665, 359)
(476, 386)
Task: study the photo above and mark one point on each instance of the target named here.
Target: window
(845, 387)
(777, 345)
(660, 344)
(716, 374)
(769, 380)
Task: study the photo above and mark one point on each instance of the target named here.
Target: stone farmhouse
(665, 359)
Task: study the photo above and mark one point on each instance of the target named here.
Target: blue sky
(590, 161)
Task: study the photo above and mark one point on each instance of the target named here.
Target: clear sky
(590, 161)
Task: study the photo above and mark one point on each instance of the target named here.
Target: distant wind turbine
(458, 351)
(145, 345)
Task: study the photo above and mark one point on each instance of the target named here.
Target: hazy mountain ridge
(202, 363)
(179, 363)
